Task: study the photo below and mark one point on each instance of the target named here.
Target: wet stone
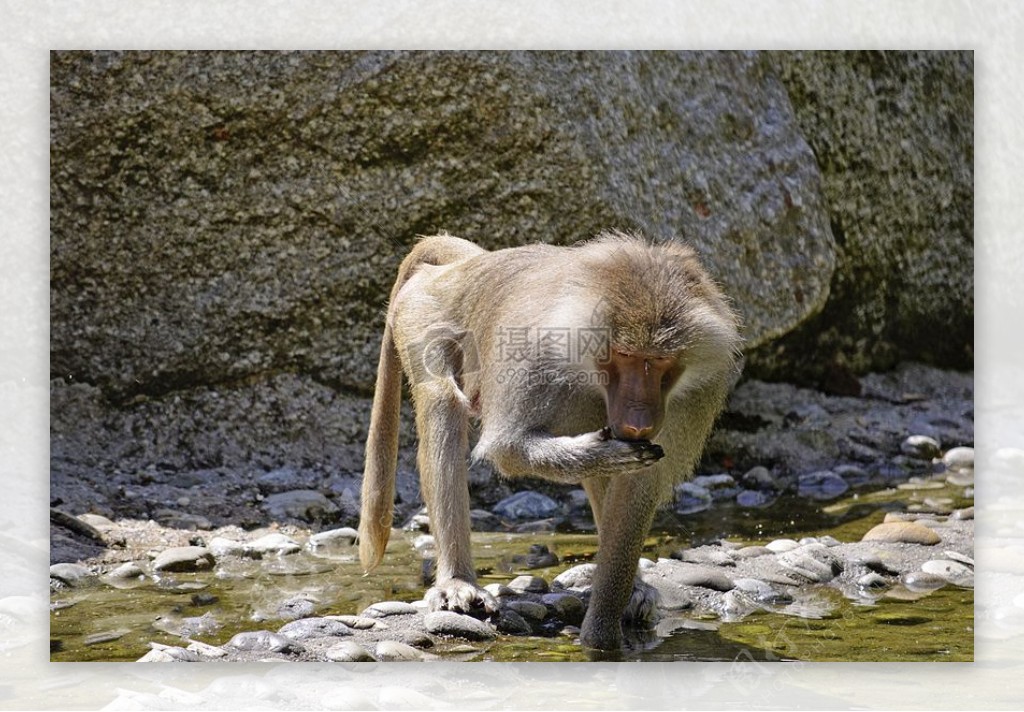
(457, 626)
(383, 609)
(812, 561)
(963, 478)
(129, 570)
(579, 577)
(567, 608)
(529, 609)
(686, 574)
(721, 486)
(71, 574)
(222, 546)
(821, 485)
(761, 592)
(274, 544)
(342, 538)
(300, 606)
(758, 478)
(691, 498)
(263, 641)
(952, 571)
(184, 558)
(511, 623)
(169, 654)
(957, 556)
(872, 580)
(923, 581)
(527, 505)
(754, 498)
(907, 532)
(528, 584)
(713, 556)
(921, 447)
(959, 458)
(314, 628)
(348, 651)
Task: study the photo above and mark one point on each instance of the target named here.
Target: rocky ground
(911, 429)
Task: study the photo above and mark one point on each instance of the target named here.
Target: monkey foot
(461, 597)
(642, 609)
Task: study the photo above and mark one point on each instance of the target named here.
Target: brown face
(638, 385)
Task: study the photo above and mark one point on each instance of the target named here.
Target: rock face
(893, 135)
(222, 215)
(225, 226)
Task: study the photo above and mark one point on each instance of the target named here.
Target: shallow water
(103, 623)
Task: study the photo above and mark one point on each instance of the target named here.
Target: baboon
(603, 364)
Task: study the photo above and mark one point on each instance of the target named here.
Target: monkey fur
(603, 364)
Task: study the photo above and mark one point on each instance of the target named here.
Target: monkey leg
(441, 423)
(626, 515)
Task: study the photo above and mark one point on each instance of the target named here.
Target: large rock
(223, 215)
(893, 133)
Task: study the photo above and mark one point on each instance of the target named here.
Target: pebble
(952, 571)
(714, 556)
(527, 505)
(908, 532)
(959, 458)
(383, 609)
(263, 641)
(298, 606)
(812, 561)
(206, 650)
(923, 581)
(691, 498)
(221, 546)
(456, 625)
(874, 563)
(357, 622)
(753, 498)
(751, 552)
(758, 478)
(499, 589)
(872, 580)
(721, 486)
(333, 539)
(579, 577)
(568, 608)
(71, 574)
(921, 447)
(273, 544)
(853, 474)
(314, 628)
(529, 609)
(539, 557)
(781, 545)
(168, 654)
(528, 584)
(821, 485)
(105, 636)
(349, 651)
(762, 592)
(306, 505)
(184, 558)
(686, 574)
(394, 651)
(957, 556)
(734, 607)
(511, 623)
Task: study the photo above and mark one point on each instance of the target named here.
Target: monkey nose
(626, 431)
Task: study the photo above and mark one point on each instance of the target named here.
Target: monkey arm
(568, 459)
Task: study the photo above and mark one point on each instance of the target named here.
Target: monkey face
(638, 385)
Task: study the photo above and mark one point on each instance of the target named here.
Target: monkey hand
(461, 597)
(626, 455)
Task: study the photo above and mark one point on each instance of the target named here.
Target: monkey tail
(378, 492)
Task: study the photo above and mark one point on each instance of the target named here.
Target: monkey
(603, 364)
